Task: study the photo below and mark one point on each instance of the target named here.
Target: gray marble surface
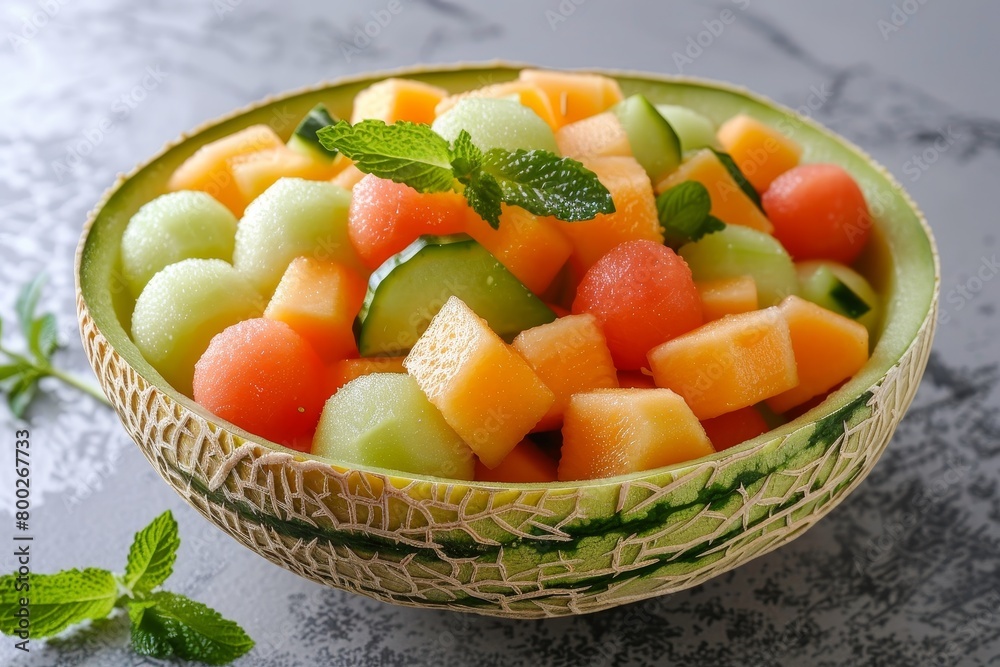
(905, 572)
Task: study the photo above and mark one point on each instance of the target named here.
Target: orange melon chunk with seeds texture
(531, 248)
(320, 300)
(209, 168)
(398, 99)
(575, 95)
(829, 348)
(256, 172)
(596, 136)
(570, 355)
(611, 432)
(487, 393)
(729, 203)
(635, 215)
(526, 463)
(761, 152)
(727, 296)
(728, 364)
(527, 94)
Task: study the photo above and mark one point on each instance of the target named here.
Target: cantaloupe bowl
(519, 550)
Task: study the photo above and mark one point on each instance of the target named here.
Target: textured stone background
(906, 572)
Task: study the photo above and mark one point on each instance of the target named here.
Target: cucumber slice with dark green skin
(410, 288)
(693, 129)
(654, 143)
(841, 289)
(304, 139)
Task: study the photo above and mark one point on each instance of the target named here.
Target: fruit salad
(535, 281)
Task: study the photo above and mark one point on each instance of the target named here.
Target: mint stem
(76, 382)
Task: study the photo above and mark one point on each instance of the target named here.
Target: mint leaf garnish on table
(21, 372)
(163, 624)
(684, 213)
(539, 181)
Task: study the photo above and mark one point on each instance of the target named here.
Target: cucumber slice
(654, 143)
(304, 139)
(385, 420)
(410, 288)
(694, 130)
(841, 289)
(739, 251)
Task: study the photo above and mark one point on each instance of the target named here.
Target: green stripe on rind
(594, 536)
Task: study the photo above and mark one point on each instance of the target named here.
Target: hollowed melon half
(519, 550)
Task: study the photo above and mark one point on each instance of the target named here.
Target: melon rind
(518, 550)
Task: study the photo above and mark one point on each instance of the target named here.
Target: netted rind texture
(514, 552)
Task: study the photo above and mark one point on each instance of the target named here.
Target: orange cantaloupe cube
(208, 169)
(727, 296)
(398, 99)
(729, 203)
(527, 94)
(570, 355)
(635, 215)
(348, 177)
(574, 95)
(526, 463)
(256, 172)
(319, 300)
(531, 248)
(828, 347)
(728, 364)
(487, 393)
(343, 371)
(611, 432)
(596, 136)
(761, 152)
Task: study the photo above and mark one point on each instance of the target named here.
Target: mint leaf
(479, 188)
(57, 601)
(404, 152)
(730, 164)
(43, 338)
(167, 625)
(484, 196)
(466, 158)
(23, 391)
(152, 555)
(548, 185)
(684, 213)
(20, 375)
(27, 303)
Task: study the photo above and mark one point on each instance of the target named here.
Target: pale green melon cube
(384, 420)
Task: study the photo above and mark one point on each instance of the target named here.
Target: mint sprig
(684, 213)
(22, 371)
(164, 624)
(539, 181)
(407, 153)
